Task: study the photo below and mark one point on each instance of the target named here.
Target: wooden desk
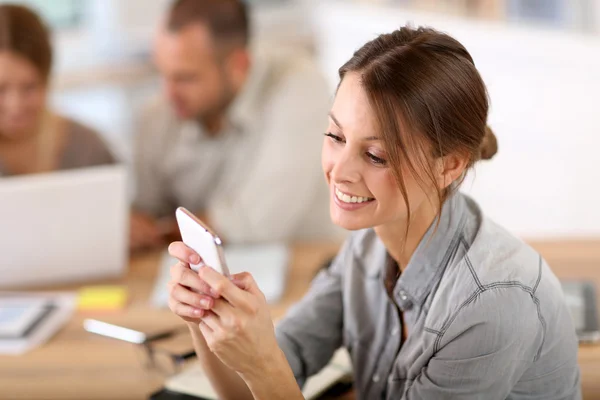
(78, 365)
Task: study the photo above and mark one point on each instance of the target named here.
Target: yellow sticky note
(102, 298)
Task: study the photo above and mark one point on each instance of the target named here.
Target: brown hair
(429, 101)
(227, 20)
(23, 32)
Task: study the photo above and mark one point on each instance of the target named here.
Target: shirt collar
(241, 111)
(432, 255)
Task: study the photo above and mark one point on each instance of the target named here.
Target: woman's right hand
(189, 295)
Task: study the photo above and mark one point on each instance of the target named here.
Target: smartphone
(200, 238)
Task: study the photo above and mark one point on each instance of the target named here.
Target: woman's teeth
(350, 199)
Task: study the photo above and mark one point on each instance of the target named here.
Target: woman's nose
(346, 168)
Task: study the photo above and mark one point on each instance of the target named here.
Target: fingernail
(214, 293)
(205, 303)
(195, 259)
(198, 313)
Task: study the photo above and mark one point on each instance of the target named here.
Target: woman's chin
(350, 224)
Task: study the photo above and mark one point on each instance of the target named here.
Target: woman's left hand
(238, 328)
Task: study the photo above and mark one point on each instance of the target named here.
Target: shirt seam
(470, 265)
(485, 288)
(539, 278)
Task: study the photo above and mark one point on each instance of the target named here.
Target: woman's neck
(400, 245)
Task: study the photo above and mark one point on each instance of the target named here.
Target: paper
(194, 382)
(102, 298)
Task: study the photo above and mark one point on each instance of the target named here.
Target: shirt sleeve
(86, 148)
(485, 350)
(281, 179)
(311, 331)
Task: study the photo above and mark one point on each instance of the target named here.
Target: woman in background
(32, 138)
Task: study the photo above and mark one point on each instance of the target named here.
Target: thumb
(245, 281)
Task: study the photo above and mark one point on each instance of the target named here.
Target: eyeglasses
(161, 351)
(156, 355)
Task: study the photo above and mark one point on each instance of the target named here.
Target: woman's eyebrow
(335, 121)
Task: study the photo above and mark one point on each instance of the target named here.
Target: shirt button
(395, 331)
(376, 378)
(403, 295)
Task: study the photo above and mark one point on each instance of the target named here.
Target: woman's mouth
(350, 202)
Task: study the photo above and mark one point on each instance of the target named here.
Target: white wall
(544, 88)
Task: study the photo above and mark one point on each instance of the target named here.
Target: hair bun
(489, 145)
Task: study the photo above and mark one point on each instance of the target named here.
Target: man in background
(236, 136)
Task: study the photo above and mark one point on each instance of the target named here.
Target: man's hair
(227, 20)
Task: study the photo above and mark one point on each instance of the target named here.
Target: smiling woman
(432, 299)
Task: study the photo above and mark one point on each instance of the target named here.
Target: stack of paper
(29, 319)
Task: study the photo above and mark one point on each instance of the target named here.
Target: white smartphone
(200, 238)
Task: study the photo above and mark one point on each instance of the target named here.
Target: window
(59, 14)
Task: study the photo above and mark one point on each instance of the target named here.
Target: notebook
(194, 382)
(29, 319)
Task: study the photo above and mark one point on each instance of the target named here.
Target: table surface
(77, 365)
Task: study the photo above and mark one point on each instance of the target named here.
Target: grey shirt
(485, 315)
(81, 147)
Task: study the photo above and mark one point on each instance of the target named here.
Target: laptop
(63, 227)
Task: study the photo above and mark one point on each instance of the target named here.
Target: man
(236, 138)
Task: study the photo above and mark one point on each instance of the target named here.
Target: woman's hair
(23, 33)
(429, 101)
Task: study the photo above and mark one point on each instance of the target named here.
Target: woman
(432, 299)
(32, 138)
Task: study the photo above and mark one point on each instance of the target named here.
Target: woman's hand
(232, 313)
(189, 295)
(238, 328)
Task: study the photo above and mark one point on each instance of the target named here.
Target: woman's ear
(449, 169)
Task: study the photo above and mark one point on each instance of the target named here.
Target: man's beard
(214, 115)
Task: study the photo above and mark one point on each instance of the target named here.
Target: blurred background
(539, 58)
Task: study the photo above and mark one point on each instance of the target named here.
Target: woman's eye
(376, 160)
(335, 138)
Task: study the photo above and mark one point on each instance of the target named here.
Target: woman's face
(364, 192)
(22, 95)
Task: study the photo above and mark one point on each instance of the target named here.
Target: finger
(223, 309)
(245, 281)
(144, 227)
(205, 329)
(212, 321)
(183, 253)
(183, 275)
(186, 296)
(222, 286)
(184, 310)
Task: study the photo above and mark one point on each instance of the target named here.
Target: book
(29, 319)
